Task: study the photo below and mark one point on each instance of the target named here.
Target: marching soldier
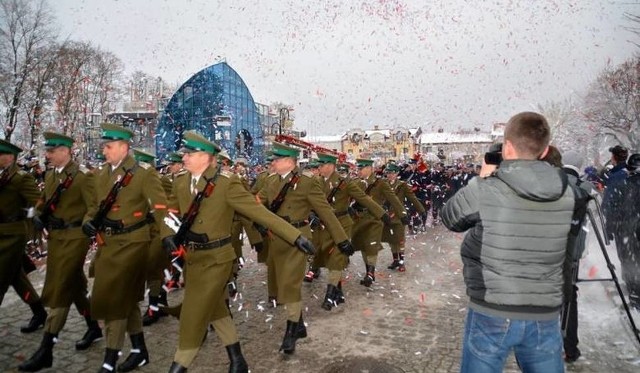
(18, 194)
(128, 191)
(68, 199)
(394, 233)
(209, 255)
(339, 193)
(156, 259)
(367, 232)
(292, 195)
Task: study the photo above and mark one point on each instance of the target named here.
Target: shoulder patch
(144, 165)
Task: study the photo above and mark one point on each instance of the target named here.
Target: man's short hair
(529, 133)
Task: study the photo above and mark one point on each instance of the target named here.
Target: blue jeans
(488, 341)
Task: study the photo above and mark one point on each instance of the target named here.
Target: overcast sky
(344, 64)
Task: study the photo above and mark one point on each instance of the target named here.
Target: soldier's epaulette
(308, 173)
(145, 165)
(84, 169)
(227, 174)
(180, 173)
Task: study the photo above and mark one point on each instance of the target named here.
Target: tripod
(610, 266)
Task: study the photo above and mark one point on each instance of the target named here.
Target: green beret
(194, 142)
(361, 162)
(392, 168)
(113, 132)
(268, 159)
(142, 156)
(280, 150)
(53, 140)
(174, 157)
(8, 148)
(327, 158)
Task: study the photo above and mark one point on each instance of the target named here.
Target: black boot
(139, 355)
(330, 299)
(238, 364)
(301, 332)
(312, 273)
(154, 313)
(43, 357)
(177, 368)
(370, 277)
(290, 337)
(110, 359)
(38, 319)
(93, 334)
(395, 264)
(339, 293)
(401, 267)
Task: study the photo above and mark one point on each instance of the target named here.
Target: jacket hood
(533, 180)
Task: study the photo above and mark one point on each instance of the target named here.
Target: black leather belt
(341, 213)
(113, 231)
(208, 245)
(299, 224)
(11, 219)
(362, 210)
(65, 226)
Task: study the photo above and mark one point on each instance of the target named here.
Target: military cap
(194, 142)
(174, 157)
(327, 158)
(268, 159)
(361, 162)
(113, 132)
(343, 167)
(242, 161)
(392, 168)
(142, 156)
(280, 150)
(312, 164)
(53, 140)
(8, 148)
(224, 156)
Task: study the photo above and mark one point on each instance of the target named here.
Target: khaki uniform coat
(67, 248)
(207, 271)
(367, 231)
(17, 194)
(289, 262)
(395, 233)
(121, 264)
(348, 191)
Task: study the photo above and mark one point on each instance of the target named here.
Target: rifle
(52, 202)
(354, 205)
(277, 202)
(334, 191)
(107, 203)
(190, 216)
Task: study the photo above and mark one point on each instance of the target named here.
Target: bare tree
(25, 28)
(613, 103)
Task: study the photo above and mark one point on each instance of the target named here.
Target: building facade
(382, 145)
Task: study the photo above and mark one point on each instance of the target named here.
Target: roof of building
(454, 138)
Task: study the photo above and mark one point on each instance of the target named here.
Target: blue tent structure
(217, 103)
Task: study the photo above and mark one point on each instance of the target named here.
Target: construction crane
(342, 157)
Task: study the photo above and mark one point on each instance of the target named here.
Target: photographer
(518, 221)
